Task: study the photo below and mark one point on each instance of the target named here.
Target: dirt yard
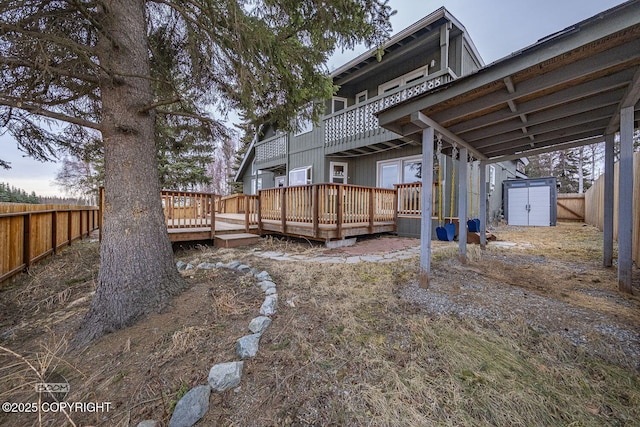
(530, 332)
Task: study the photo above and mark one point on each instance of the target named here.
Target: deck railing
(410, 199)
(186, 209)
(358, 121)
(321, 205)
(29, 233)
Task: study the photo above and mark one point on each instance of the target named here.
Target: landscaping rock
(263, 275)
(188, 267)
(243, 268)
(233, 265)
(247, 346)
(270, 305)
(224, 376)
(148, 423)
(219, 264)
(259, 324)
(206, 266)
(181, 265)
(266, 284)
(270, 291)
(191, 407)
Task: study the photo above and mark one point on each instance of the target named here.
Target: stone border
(224, 376)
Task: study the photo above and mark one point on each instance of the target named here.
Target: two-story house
(348, 146)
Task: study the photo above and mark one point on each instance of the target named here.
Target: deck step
(235, 240)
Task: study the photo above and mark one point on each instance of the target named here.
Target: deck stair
(236, 240)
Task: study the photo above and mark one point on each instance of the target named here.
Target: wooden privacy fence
(28, 233)
(570, 207)
(326, 210)
(594, 205)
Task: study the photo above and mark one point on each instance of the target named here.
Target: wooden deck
(318, 212)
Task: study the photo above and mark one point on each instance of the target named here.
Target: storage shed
(530, 201)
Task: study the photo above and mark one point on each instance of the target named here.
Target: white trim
(404, 79)
(364, 93)
(345, 172)
(308, 178)
(333, 105)
(399, 162)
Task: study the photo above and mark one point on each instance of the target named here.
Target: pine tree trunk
(137, 270)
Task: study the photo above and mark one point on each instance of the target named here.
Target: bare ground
(529, 333)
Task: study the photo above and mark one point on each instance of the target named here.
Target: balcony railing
(274, 148)
(359, 120)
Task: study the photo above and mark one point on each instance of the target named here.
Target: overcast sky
(497, 27)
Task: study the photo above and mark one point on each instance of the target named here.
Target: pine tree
(98, 67)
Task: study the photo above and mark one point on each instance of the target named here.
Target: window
(361, 97)
(399, 171)
(280, 181)
(403, 80)
(300, 176)
(338, 172)
(338, 104)
(255, 190)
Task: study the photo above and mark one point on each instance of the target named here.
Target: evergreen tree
(90, 65)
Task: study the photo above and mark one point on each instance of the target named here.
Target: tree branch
(14, 62)
(189, 115)
(160, 103)
(38, 110)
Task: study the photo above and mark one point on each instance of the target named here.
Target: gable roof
(563, 91)
(416, 30)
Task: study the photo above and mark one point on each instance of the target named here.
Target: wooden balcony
(355, 130)
(271, 152)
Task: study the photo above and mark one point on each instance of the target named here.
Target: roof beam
(629, 99)
(615, 82)
(423, 121)
(536, 151)
(578, 112)
(617, 57)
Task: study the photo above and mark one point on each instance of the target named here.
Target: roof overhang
(398, 43)
(566, 90)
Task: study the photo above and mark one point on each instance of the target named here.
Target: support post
(482, 214)
(339, 209)
(625, 201)
(246, 213)
(315, 210)
(607, 228)
(426, 208)
(462, 204)
(283, 209)
(212, 201)
(54, 231)
(26, 240)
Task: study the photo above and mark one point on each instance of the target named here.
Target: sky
(497, 28)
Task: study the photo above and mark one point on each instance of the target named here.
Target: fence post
(372, 209)
(259, 213)
(283, 209)
(396, 192)
(54, 231)
(69, 226)
(314, 210)
(213, 216)
(246, 213)
(339, 205)
(26, 240)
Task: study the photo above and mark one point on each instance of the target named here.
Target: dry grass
(350, 350)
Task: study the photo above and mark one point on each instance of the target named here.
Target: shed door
(540, 206)
(518, 201)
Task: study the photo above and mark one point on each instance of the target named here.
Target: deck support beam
(462, 204)
(427, 195)
(482, 210)
(607, 227)
(625, 201)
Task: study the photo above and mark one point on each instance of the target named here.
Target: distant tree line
(11, 194)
